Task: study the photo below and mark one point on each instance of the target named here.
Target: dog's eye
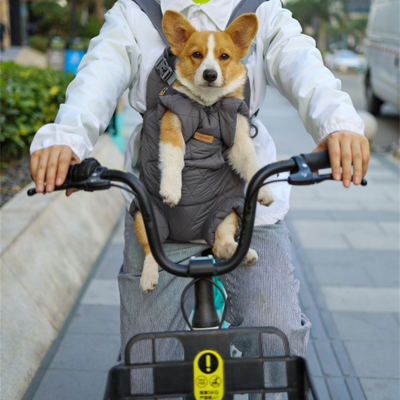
(224, 56)
(196, 54)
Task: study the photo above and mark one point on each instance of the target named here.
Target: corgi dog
(208, 70)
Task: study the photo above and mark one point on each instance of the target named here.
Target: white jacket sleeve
(294, 66)
(106, 71)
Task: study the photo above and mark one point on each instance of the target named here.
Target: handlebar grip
(317, 161)
(80, 172)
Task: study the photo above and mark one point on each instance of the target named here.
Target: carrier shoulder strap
(152, 9)
(244, 7)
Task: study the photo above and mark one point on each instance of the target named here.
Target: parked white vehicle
(382, 47)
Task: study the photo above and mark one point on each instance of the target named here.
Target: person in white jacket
(120, 58)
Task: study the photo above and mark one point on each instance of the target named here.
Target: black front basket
(207, 367)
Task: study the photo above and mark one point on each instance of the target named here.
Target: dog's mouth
(210, 85)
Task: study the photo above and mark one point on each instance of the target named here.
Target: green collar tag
(200, 1)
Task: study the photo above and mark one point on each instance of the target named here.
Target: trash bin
(56, 53)
(76, 49)
(117, 125)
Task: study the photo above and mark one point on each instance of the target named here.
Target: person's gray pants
(265, 294)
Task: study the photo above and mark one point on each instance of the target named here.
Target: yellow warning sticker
(208, 375)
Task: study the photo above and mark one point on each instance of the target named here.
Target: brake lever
(320, 178)
(92, 183)
(304, 176)
(32, 192)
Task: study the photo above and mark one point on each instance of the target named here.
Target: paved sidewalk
(10, 53)
(346, 251)
(346, 244)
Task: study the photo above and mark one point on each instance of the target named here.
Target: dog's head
(209, 63)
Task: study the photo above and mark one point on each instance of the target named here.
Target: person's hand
(346, 149)
(50, 166)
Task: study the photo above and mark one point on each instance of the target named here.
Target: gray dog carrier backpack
(211, 189)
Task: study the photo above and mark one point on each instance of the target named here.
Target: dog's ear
(242, 31)
(177, 29)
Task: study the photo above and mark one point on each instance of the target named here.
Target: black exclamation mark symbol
(208, 363)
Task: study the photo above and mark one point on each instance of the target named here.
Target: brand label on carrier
(208, 375)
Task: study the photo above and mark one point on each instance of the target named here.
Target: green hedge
(38, 42)
(30, 98)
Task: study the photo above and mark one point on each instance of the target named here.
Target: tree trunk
(99, 9)
(322, 35)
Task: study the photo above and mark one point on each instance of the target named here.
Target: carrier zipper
(164, 91)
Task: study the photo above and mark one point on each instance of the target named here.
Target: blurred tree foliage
(30, 98)
(54, 19)
(318, 14)
(352, 28)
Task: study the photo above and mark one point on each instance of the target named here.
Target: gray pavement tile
(338, 227)
(379, 179)
(342, 359)
(87, 352)
(317, 329)
(306, 300)
(343, 235)
(315, 204)
(335, 194)
(312, 360)
(380, 174)
(72, 385)
(362, 215)
(329, 325)
(93, 319)
(364, 326)
(376, 205)
(321, 388)
(381, 389)
(305, 213)
(308, 276)
(102, 292)
(327, 359)
(351, 275)
(384, 274)
(338, 389)
(118, 236)
(390, 228)
(312, 240)
(111, 263)
(355, 389)
(319, 298)
(361, 299)
(368, 259)
(374, 359)
(302, 273)
(369, 241)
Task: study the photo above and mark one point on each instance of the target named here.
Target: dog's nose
(210, 75)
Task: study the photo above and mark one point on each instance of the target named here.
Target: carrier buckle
(165, 71)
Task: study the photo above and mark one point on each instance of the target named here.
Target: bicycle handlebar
(90, 176)
(316, 161)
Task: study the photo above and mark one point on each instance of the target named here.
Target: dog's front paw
(149, 278)
(265, 196)
(170, 198)
(148, 282)
(251, 257)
